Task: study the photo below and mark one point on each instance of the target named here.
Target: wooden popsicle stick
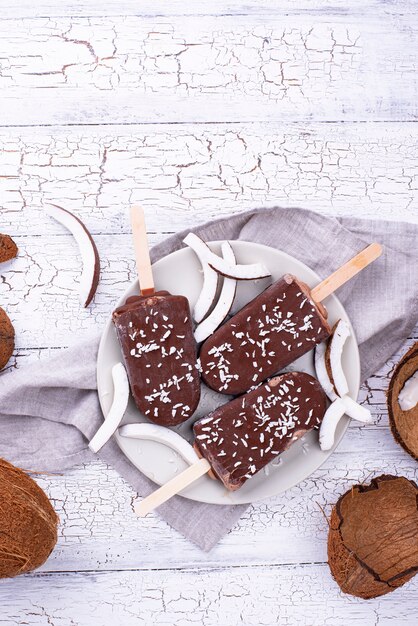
(346, 272)
(174, 486)
(143, 261)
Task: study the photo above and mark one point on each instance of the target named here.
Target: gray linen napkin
(49, 411)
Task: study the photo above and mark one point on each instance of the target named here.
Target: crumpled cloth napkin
(50, 410)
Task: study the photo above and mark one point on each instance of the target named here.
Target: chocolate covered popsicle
(155, 334)
(281, 324)
(271, 331)
(244, 435)
(241, 437)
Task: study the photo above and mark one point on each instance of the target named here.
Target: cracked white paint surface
(248, 67)
(263, 78)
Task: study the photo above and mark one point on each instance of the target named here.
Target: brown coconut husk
(8, 248)
(28, 523)
(373, 537)
(7, 338)
(404, 424)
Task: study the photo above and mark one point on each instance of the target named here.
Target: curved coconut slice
(356, 411)
(401, 394)
(117, 410)
(208, 293)
(333, 354)
(329, 424)
(322, 372)
(153, 432)
(90, 257)
(373, 537)
(352, 408)
(224, 303)
(251, 271)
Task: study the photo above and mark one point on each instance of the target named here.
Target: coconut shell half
(7, 338)
(373, 537)
(8, 248)
(28, 523)
(404, 424)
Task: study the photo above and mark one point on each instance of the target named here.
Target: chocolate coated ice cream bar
(241, 437)
(156, 337)
(278, 326)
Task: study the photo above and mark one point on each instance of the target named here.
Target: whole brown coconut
(373, 537)
(404, 424)
(7, 338)
(28, 523)
(8, 248)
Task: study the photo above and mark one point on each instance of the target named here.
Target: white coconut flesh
(90, 258)
(352, 408)
(224, 303)
(251, 271)
(117, 410)
(160, 434)
(329, 424)
(335, 347)
(408, 397)
(356, 410)
(208, 293)
(322, 372)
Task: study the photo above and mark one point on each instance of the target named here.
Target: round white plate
(180, 273)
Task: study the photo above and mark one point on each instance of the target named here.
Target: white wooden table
(195, 110)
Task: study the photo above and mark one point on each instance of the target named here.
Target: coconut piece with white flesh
(208, 292)
(117, 410)
(281, 324)
(408, 397)
(160, 434)
(90, 257)
(402, 402)
(329, 369)
(155, 334)
(253, 271)
(333, 355)
(224, 302)
(329, 424)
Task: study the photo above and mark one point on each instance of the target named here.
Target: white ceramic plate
(180, 273)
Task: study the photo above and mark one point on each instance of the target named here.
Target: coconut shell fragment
(7, 338)
(404, 424)
(8, 248)
(28, 523)
(373, 537)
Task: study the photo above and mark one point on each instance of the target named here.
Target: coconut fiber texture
(373, 537)
(404, 424)
(28, 523)
(49, 411)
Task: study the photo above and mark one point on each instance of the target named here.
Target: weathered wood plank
(146, 8)
(187, 175)
(304, 595)
(208, 173)
(211, 69)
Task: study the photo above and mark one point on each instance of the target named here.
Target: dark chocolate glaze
(156, 337)
(241, 437)
(277, 327)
